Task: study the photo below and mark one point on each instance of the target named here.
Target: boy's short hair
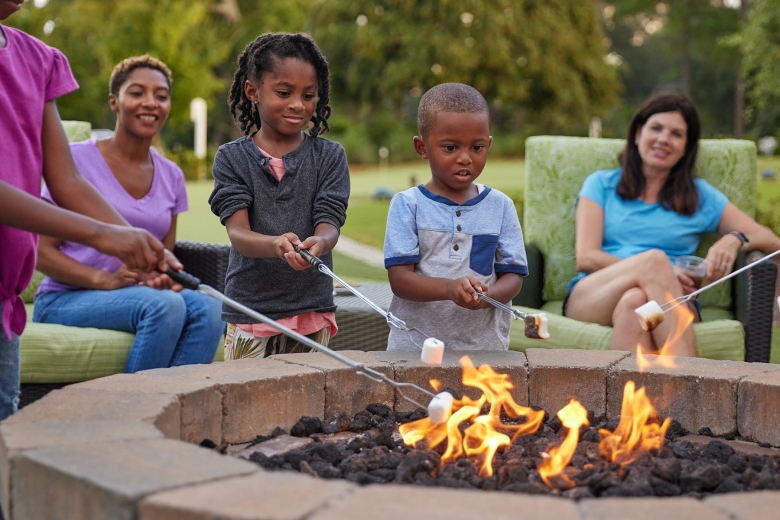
(448, 97)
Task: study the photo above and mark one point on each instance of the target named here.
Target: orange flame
(665, 353)
(634, 434)
(572, 416)
(482, 437)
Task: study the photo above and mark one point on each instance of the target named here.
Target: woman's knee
(630, 300)
(655, 265)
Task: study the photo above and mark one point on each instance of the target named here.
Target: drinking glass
(694, 267)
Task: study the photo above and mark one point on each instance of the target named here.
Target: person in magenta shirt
(34, 145)
(86, 288)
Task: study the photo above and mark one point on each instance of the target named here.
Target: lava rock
(731, 484)
(612, 424)
(306, 426)
(737, 463)
(706, 431)
(417, 414)
(326, 452)
(338, 423)
(379, 409)
(360, 422)
(592, 435)
(675, 430)
(353, 464)
(513, 471)
(208, 443)
(555, 424)
(277, 432)
(718, 450)
(417, 461)
(667, 469)
(685, 450)
(529, 488)
(386, 474)
(704, 478)
(390, 460)
(363, 478)
(663, 488)
(295, 457)
(324, 470)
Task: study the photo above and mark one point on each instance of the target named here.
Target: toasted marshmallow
(536, 326)
(432, 351)
(650, 315)
(440, 408)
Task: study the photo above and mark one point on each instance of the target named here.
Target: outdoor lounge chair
(737, 316)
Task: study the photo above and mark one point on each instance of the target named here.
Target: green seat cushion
(62, 354)
(707, 313)
(717, 339)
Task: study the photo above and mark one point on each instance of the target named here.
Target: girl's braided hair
(261, 56)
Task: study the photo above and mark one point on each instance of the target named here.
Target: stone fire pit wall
(125, 446)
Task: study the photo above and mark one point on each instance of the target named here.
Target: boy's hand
(283, 244)
(463, 292)
(313, 245)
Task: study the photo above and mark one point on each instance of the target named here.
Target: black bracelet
(742, 238)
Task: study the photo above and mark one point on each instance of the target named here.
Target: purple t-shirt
(153, 212)
(31, 73)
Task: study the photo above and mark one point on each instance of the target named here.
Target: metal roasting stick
(495, 303)
(668, 306)
(191, 282)
(393, 321)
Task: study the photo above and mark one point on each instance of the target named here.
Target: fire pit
(112, 448)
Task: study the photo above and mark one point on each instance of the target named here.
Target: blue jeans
(9, 373)
(170, 328)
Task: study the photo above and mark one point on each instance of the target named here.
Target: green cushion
(556, 167)
(62, 354)
(719, 339)
(77, 130)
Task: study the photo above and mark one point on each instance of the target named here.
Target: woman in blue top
(631, 222)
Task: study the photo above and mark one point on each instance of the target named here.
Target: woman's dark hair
(679, 191)
(123, 69)
(263, 55)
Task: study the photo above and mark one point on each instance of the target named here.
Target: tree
(761, 40)
(687, 45)
(540, 63)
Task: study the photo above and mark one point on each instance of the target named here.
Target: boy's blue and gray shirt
(480, 238)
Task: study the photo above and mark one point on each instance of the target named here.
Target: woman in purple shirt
(86, 288)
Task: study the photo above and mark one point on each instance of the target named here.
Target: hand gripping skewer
(651, 314)
(392, 320)
(535, 324)
(191, 282)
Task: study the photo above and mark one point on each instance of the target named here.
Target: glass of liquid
(694, 267)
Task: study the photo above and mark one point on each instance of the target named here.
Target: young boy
(451, 237)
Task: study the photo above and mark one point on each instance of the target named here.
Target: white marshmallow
(650, 315)
(440, 408)
(432, 351)
(542, 323)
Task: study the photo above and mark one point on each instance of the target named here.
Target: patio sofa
(737, 316)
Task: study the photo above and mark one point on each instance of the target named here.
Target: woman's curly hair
(261, 56)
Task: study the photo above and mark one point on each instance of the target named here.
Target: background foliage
(545, 66)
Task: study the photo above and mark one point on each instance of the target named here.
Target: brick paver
(261, 496)
(677, 508)
(16, 438)
(391, 502)
(757, 505)
(106, 480)
(557, 376)
(345, 390)
(758, 415)
(697, 392)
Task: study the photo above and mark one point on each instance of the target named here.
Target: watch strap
(742, 238)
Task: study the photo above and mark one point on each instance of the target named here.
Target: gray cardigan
(314, 189)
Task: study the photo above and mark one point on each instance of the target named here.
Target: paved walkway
(367, 254)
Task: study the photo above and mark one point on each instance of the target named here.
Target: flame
(634, 434)
(572, 416)
(486, 433)
(665, 357)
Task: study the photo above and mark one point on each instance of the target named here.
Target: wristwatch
(742, 238)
